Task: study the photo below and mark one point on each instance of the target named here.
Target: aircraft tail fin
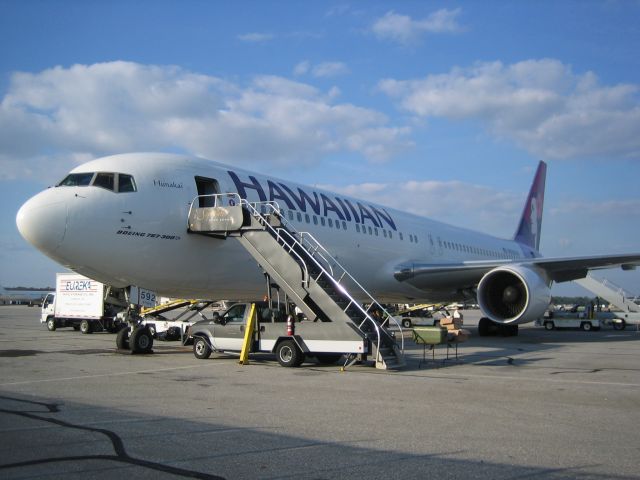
(530, 226)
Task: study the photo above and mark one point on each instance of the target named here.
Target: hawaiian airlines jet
(123, 220)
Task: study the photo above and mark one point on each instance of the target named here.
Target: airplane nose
(42, 221)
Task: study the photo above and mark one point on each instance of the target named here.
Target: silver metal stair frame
(610, 292)
(312, 278)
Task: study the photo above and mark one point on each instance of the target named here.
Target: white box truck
(84, 304)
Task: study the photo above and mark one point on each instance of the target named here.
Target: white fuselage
(140, 237)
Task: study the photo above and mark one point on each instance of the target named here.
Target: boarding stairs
(613, 294)
(311, 277)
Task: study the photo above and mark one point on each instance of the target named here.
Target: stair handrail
(315, 245)
(216, 196)
(363, 290)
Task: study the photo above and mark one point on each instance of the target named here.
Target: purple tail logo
(530, 226)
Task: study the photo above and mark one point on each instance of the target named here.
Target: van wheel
(586, 326)
(122, 339)
(619, 325)
(85, 326)
(141, 340)
(51, 324)
(288, 354)
(201, 348)
(406, 323)
(548, 325)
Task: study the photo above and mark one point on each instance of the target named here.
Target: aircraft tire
(201, 349)
(141, 340)
(122, 339)
(483, 327)
(51, 324)
(85, 327)
(288, 354)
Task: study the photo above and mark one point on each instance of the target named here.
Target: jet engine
(514, 294)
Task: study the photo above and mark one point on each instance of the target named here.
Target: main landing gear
(487, 327)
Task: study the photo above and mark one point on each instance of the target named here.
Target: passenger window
(105, 180)
(126, 183)
(290, 215)
(299, 216)
(77, 180)
(306, 217)
(330, 222)
(315, 220)
(322, 221)
(357, 228)
(344, 225)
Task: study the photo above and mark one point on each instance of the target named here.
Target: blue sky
(441, 108)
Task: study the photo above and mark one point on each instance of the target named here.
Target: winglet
(530, 226)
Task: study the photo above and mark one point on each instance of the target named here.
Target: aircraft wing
(468, 274)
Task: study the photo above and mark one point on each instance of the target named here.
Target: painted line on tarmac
(115, 374)
(535, 379)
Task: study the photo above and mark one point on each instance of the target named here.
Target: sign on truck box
(78, 297)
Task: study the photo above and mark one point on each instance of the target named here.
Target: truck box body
(82, 303)
(78, 297)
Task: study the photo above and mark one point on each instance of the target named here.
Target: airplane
(29, 296)
(122, 220)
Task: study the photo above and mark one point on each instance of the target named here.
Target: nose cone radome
(42, 221)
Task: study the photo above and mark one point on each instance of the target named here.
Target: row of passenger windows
(367, 230)
(342, 225)
(506, 253)
(114, 182)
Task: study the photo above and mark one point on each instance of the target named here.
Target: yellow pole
(248, 336)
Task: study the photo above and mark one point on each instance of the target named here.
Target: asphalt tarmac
(552, 405)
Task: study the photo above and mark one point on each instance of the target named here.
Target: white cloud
(323, 69)
(405, 30)
(89, 110)
(539, 104)
(256, 37)
(330, 69)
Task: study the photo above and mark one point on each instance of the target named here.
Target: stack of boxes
(455, 332)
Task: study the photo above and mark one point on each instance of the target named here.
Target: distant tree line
(575, 300)
(17, 289)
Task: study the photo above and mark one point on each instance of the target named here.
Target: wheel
(85, 326)
(406, 323)
(549, 326)
(483, 327)
(122, 339)
(619, 325)
(141, 340)
(201, 348)
(328, 359)
(586, 326)
(51, 324)
(288, 354)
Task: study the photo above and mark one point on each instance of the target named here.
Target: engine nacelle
(514, 294)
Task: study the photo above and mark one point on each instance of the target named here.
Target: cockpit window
(104, 180)
(76, 180)
(126, 183)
